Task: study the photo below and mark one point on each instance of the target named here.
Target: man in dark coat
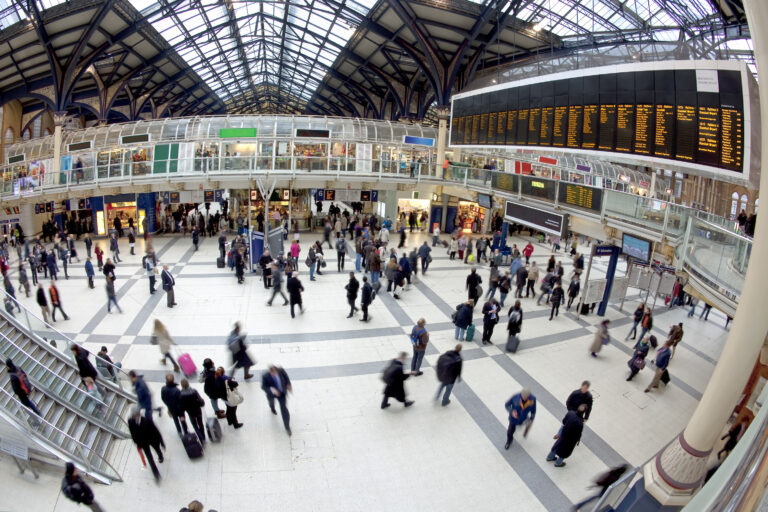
(168, 283)
(145, 434)
(473, 280)
(352, 287)
(21, 386)
(191, 403)
(84, 366)
(240, 357)
(366, 299)
(448, 371)
(294, 293)
(395, 378)
(171, 397)
(568, 437)
(580, 397)
(75, 488)
(276, 384)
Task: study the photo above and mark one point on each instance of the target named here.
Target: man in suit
(276, 384)
(168, 283)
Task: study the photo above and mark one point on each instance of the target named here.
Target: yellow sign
(537, 184)
(100, 229)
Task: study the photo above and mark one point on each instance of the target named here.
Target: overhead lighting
(538, 26)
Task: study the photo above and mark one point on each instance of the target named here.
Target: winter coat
(171, 397)
(463, 316)
(578, 398)
(144, 432)
(143, 397)
(375, 262)
(570, 435)
(557, 295)
(84, 366)
(522, 276)
(601, 337)
(352, 287)
(294, 289)
(574, 288)
(367, 296)
(523, 408)
(240, 357)
(191, 402)
(449, 367)
(396, 387)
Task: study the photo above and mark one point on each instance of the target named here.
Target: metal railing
(57, 441)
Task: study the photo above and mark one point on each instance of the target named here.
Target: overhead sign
(548, 222)
(218, 195)
(208, 196)
(374, 196)
(313, 134)
(237, 133)
(365, 195)
(580, 196)
(175, 197)
(418, 141)
(166, 197)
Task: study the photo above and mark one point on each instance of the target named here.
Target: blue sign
(87, 203)
(374, 196)
(418, 141)
(320, 194)
(166, 197)
(218, 195)
(605, 250)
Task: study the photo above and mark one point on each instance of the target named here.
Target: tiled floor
(346, 454)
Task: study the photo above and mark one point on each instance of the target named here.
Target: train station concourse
(388, 255)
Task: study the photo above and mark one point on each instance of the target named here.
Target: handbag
(639, 363)
(234, 398)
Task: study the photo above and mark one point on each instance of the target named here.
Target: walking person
(9, 289)
(604, 482)
(394, 380)
(637, 317)
(580, 397)
(374, 265)
(192, 403)
(111, 295)
(145, 434)
(646, 324)
(210, 386)
(533, 276)
(276, 385)
(366, 298)
(42, 301)
(53, 292)
(424, 254)
(419, 339)
(515, 319)
(88, 243)
(662, 362)
(675, 336)
(521, 278)
(522, 410)
(239, 351)
(151, 271)
(232, 397)
(352, 287)
(162, 338)
(568, 436)
(89, 273)
(733, 435)
(601, 338)
(473, 286)
(132, 240)
(114, 248)
(448, 372)
(491, 311)
(53, 268)
(171, 397)
(637, 362)
(505, 284)
(168, 283)
(21, 386)
(435, 235)
(294, 293)
(75, 488)
(463, 319)
(556, 299)
(143, 396)
(341, 252)
(277, 284)
(573, 290)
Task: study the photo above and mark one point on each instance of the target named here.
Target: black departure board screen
(580, 196)
(675, 112)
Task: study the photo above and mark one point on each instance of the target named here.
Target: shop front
(129, 209)
(419, 207)
(470, 217)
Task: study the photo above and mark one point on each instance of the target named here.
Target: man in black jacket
(448, 371)
(145, 434)
(352, 287)
(276, 384)
(366, 299)
(294, 288)
(21, 386)
(473, 280)
(395, 378)
(74, 488)
(581, 396)
(171, 397)
(191, 402)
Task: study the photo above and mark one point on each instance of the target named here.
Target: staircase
(74, 426)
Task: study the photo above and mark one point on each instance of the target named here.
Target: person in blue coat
(51, 263)
(516, 264)
(521, 408)
(405, 265)
(662, 361)
(143, 397)
(89, 272)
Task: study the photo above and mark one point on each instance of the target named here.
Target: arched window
(744, 201)
(26, 135)
(37, 125)
(734, 205)
(9, 136)
(47, 131)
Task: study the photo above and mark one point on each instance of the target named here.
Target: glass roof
(245, 49)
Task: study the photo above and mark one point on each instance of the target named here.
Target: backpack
(388, 375)
(514, 316)
(415, 335)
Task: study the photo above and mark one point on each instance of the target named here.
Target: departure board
(580, 196)
(671, 111)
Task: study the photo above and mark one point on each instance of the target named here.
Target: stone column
(443, 112)
(59, 118)
(675, 474)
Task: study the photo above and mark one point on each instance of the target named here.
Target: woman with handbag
(163, 340)
(601, 338)
(637, 362)
(232, 398)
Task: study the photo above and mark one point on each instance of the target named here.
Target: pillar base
(676, 473)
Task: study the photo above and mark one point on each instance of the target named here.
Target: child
(96, 402)
(99, 257)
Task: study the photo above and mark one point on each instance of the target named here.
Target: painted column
(677, 471)
(442, 137)
(59, 118)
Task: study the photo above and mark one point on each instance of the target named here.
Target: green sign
(237, 133)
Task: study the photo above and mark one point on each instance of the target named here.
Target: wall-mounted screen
(694, 112)
(638, 248)
(580, 196)
(548, 222)
(484, 200)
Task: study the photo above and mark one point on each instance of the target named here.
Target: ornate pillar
(443, 112)
(59, 118)
(675, 474)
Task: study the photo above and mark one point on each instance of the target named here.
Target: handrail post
(666, 221)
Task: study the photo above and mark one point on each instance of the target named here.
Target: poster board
(595, 291)
(619, 288)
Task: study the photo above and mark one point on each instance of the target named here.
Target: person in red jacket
(527, 251)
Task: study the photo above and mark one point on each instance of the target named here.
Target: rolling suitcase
(219, 262)
(192, 446)
(187, 365)
(512, 343)
(213, 429)
(470, 332)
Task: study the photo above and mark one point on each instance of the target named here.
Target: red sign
(547, 160)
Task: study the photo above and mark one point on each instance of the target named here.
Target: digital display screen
(535, 187)
(551, 223)
(313, 134)
(484, 200)
(580, 196)
(175, 197)
(688, 115)
(637, 248)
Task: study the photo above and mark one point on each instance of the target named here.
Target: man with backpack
(21, 386)
(448, 371)
(419, 340)
(395, 378)
(74, 488)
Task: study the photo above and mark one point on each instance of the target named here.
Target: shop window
(744, 201)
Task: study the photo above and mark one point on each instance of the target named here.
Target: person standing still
(294, 293)
(276, 385)
(168, 283)
(366, 299)
(419, 340)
